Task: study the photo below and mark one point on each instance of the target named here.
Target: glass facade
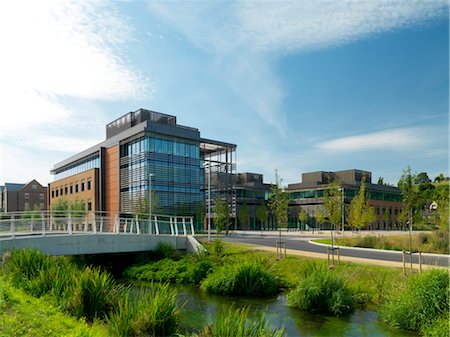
(349, 194)
(90, 163)
(177, 174)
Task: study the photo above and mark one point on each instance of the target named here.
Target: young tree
(369, 216)
(244, 216)
(358, 207)
(403, 217)
(302, 216)
(141, 209)
(278, 202)
(320, 217)
(222, 215)
(332, 203)
(261, 214)
(406, 185)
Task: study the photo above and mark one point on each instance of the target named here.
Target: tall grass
(94, 293)
(322, 290)
(150, 312)
(236, 322)
(425, 298)
(247, 278)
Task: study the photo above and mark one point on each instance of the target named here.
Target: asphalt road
(302, 244)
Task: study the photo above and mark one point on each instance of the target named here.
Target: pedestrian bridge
(79, 233)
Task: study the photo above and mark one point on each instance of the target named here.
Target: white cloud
(243, 36)
(305, 25)
(52, 49)
(388, 140)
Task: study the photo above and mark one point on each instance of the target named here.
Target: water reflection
(201, 308)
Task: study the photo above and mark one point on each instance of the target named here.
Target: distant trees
(244, 216)
(261, 215)
(320, 217)
(278, 202)
(222, 215)
(302, 217)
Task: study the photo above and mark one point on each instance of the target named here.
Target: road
(301, 244)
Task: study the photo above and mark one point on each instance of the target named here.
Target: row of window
(176, 147)
(27, 206)
(41, 196)
(392, 211)
(72, 188)
(78, 168)
(349, 194)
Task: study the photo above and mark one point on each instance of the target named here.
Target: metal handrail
(89, 222)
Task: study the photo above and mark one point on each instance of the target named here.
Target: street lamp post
(150, 202)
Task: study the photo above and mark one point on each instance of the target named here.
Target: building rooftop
(11, 187)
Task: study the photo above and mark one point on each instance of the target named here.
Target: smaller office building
(22, 197)
(308, 195)
(251, 193)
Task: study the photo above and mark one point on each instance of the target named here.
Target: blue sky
(298, 86)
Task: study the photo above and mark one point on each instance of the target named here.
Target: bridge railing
(84, 222)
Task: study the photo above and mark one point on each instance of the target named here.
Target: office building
(308, 195)
(147, 152)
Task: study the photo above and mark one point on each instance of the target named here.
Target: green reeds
(322, 290)
(149, 312)
(236, 322)
(246, 278)
(425, 299)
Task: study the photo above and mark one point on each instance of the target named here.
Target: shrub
(191, 269)
(425, 298)
(247, 278)
(235, 322)
(217, 248)
(150, 312)
(322, 291)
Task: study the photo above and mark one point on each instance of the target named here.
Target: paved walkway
(299, 244)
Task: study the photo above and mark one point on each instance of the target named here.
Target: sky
(298, 86)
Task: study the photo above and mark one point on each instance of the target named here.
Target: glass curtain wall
(176, 174)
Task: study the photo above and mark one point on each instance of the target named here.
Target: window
(71, 188)
(53, 193)
(65, 190)
(34, 187)
(89, 206)
(82, 186)
(56, 192)
(41, 205)
(61, 190)
(27, 206)
(27, 195)
(76, 187)
(41, 196)
(89, 183)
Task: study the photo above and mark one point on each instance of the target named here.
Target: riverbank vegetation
(94, 304)
(434, 242)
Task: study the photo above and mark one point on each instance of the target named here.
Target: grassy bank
(24, 315)
(436, 242)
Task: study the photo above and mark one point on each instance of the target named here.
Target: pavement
(299, 244)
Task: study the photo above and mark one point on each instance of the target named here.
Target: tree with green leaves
(358, 207)
(409, 196)
(278, 202)
(302, 217)
(320, 217)
(332, 203)
(369, 216)
(200, 213)
(221, 215)
(380, 181)
(261, 215)
(403, 217)
(244, 216)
